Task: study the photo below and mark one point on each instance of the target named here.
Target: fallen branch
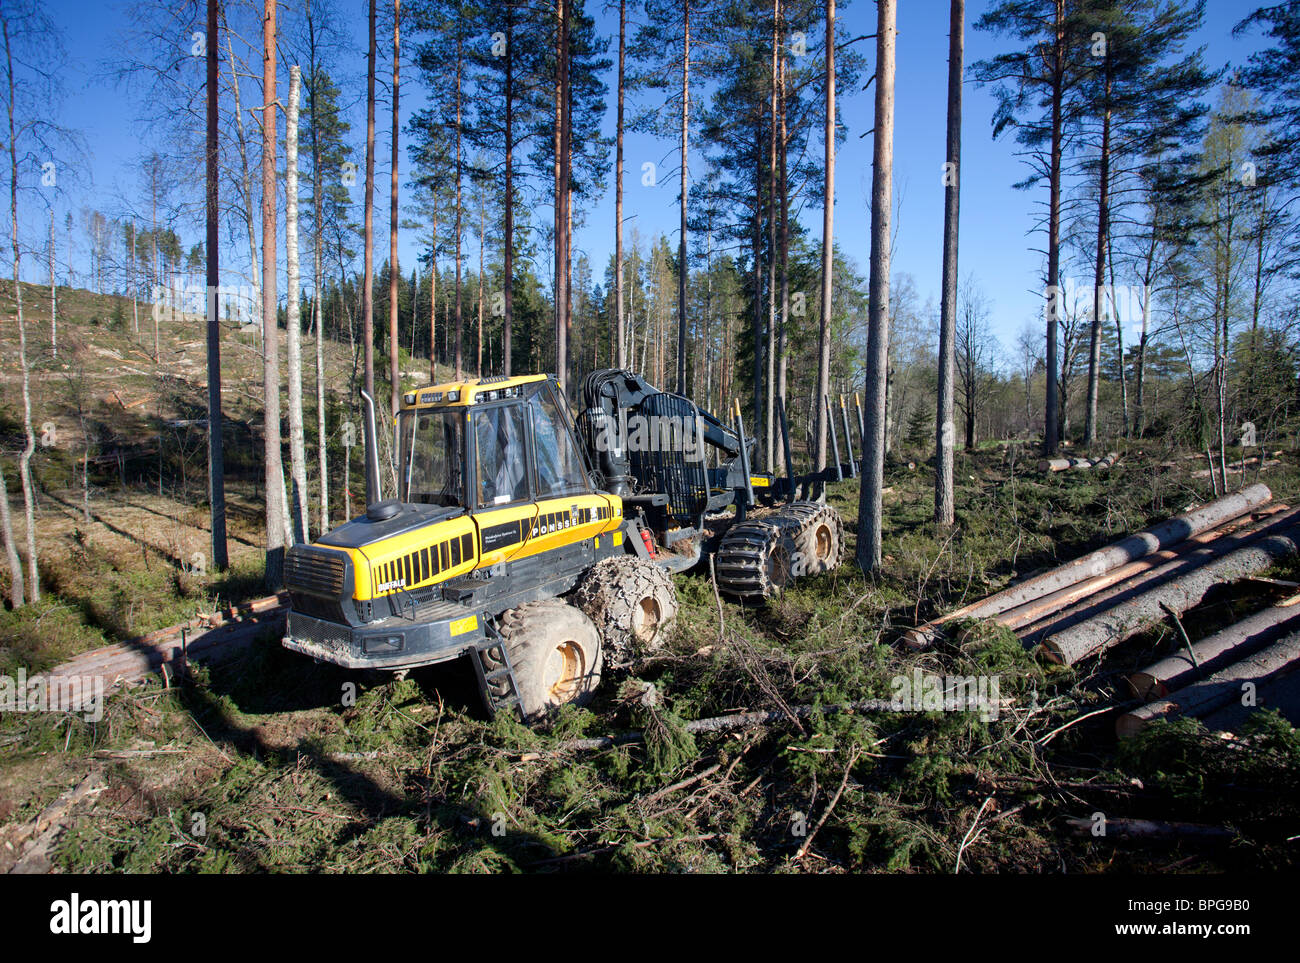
(741, 720)
(1121, 828)
(970, 833)
(830, 807)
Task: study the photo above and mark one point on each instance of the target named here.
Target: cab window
(431, 456)
(500, 455)
(559, 465)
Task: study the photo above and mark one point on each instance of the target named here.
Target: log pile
(1181, 531)
(1259, 464)
(1082, 608)
(1050, 465)
(212, 638)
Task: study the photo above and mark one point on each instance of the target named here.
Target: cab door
(500, 490)
(569, 510)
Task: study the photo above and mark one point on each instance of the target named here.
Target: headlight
(382, 644)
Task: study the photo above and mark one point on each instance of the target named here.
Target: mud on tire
(632, 603)
(556, 654)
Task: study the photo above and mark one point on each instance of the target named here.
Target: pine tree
(1032, 86)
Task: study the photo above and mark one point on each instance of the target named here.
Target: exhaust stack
(371, 438)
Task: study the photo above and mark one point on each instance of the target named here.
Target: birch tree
(276, 513)
(293, 316)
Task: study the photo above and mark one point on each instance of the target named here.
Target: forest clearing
(412, 775)
(767, 437)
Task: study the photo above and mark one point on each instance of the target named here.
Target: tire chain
(745, 550)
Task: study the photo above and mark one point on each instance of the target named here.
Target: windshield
(432, 443)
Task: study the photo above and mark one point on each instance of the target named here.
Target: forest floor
(269, 764)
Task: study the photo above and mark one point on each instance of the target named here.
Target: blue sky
(996, 220)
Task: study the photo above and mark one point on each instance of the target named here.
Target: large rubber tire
(633, 603)
(754, 559)
(556, 654)
(758, 559)
(820, 538)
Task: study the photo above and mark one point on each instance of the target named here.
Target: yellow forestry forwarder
(542, 550)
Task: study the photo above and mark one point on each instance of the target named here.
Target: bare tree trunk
(769, 412)
(873, 474)
(135, 306)
(54, 296)
(460, 321)
(508, 257)
(1052, 412)
(297, 442)
(1099, 276)
(1139, 414)
(1119, 335)
(394, 360)
(276, 515)
(828, 247)
(562, 175)
(482, 241)
(25, 460)
(368, 258)
(318, 280)
(156, 293)
(756, 257)
(433, 297)
(245, 179)
(216, 449)
(784, 146)
(620, 322)
(945, 430)
(683, 269)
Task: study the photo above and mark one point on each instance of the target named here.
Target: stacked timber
(1174, 587)
(212, 638)
(1258, 463)
(1081, 609)
(1050, 465)
(1237, 681)
(1106, 566)
(1216, 651)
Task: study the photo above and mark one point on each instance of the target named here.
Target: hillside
(140, 561)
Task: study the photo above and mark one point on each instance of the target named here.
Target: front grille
(315, 571)
(304, 628)
(331, 610)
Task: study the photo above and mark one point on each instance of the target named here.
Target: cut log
(1230, 533)
(1241, 466)
(1035, 621)
(1216, 651)
(1220, 689)
(1139, 545)
(1179, 594)
(1049, 465)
